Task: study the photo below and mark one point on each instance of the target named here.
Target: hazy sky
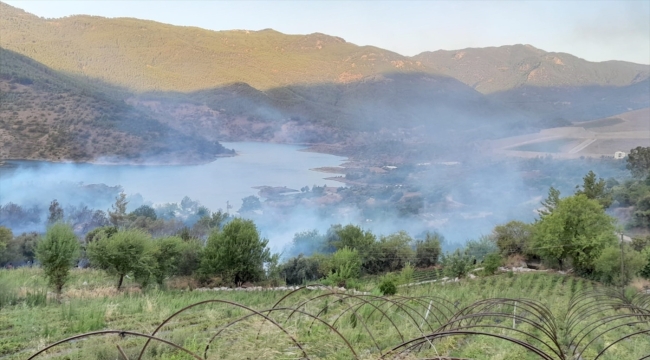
(593, 30)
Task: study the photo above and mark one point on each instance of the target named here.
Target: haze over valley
(324, 180)
(129, 91)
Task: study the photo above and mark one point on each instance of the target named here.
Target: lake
(213, 184)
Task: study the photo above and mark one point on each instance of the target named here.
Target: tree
(479, 249)
(167, 257)
(428, 250)
(645, 272)
(513, 237)
(56, 212)
(640, 243)
(595, 189)
(578, 229)
(100, 232)
(237, 253)
(355, 238)
(638, 162)
(127, 252)
(190, 257)
(307, 242)
(390, 253)
(209, 222)
(117, 216)
(144, 210)
(23, 247)
(300, 270)
(57, 252)
(550, 203)
(641, 215)
(249, 204)
(5, 238)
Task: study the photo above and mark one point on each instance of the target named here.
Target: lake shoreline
(313, 148)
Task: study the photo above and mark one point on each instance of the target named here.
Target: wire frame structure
(304, 324)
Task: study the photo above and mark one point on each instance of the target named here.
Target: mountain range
(202, 86)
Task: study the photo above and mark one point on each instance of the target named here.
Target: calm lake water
(213, 184)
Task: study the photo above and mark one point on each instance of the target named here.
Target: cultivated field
(482, 318)
(594, 138)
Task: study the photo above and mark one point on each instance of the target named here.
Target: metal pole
(623, 280)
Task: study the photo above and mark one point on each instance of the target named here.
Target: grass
(90, 303)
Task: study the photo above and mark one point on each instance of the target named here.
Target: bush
(236, 254)
(491, 263)
(345, 265)
(608, 265)
(387, 286)
(456, 264)
(57, 252)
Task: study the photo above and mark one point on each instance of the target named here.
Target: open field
(594, 138)
(317, 324)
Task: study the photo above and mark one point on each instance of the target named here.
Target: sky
(592, 30)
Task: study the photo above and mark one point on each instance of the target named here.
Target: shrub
(345, 265)
(406, 275)
(608, 265)
(387, 286)
(491, 263)
(457, 264)
(57, 252)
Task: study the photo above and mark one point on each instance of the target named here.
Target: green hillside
(49, 115)
(495, 69)
(145, 55)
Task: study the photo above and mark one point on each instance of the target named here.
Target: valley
(173, 192)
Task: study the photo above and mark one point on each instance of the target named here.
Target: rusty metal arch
(119, 332)
(331, 327)
(226, 303)
(409, 344)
